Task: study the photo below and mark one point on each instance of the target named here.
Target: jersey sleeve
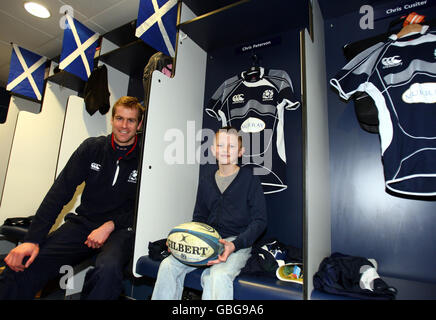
(215, 104)
(218, 100)
(286, 95)
(353, 76)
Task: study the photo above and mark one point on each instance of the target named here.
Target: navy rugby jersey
(400, 76)
(256, 108)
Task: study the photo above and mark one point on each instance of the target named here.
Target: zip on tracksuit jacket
(240, 211)
(109, 193)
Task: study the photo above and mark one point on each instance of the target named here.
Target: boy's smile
(226, 148)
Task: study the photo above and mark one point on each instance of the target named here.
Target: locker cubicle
(206, 56)
(367, 220)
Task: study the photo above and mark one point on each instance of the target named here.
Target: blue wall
(366, 221)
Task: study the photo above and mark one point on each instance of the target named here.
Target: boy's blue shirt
(240, 211)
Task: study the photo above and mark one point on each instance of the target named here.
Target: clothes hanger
(352, 49)
(412, 23)
(253, 74)
(409, 29)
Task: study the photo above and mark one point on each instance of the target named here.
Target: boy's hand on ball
(229, 247)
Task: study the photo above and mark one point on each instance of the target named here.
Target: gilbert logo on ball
(194, 243)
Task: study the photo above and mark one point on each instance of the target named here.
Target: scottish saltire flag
(26, 73)
(78, 49)
(156, 24)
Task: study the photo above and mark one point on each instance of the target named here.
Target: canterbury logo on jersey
(133, 177)
(238, 98)
(391, 62)
(95, 166)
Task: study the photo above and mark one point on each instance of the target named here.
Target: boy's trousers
(216, 281)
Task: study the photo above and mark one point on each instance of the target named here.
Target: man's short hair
(131, 103)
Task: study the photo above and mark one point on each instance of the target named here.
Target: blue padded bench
(407, 290)
(245, 287)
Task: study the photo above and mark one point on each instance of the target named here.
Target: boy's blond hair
(229, 130)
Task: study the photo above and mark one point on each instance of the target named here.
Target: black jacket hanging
(96, 91)
(157, 61)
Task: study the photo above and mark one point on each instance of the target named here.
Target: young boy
(232, 201)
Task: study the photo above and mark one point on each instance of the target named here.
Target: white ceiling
(44, 36)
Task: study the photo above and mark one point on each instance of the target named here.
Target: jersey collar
(245, 75)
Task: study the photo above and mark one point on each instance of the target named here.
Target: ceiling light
(36, 9)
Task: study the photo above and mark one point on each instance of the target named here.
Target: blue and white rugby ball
(194, 243)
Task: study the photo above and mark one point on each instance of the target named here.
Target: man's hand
(99, 236)
(229, 247)
(14, 259)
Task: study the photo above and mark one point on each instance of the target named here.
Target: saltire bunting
(26, 73)
(157, 24)
(78, 49)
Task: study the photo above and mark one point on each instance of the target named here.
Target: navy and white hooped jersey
(256, 108)
(400, 76)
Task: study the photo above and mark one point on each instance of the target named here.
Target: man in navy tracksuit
(102, 224)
